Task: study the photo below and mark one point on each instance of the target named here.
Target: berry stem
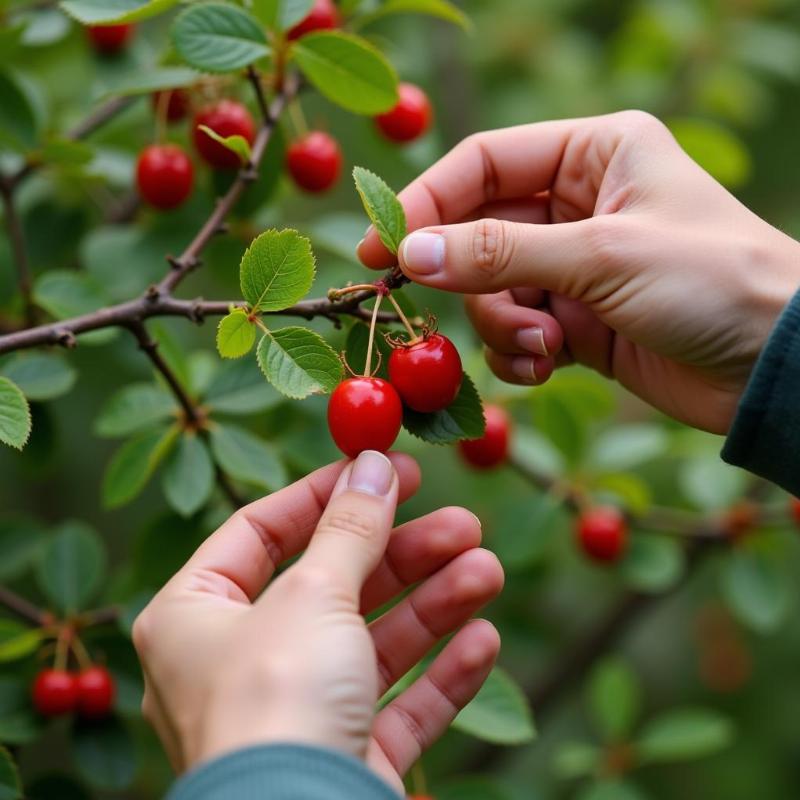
(298, 118)
(61, 659)
(371, 342)
(418, 783)
(81, 653)
(404, 319)
(335, 294)
(162, 107)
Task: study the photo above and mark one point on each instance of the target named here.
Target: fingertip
(480, 645)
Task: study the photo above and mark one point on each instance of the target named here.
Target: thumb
(488, 255)
(353, 532)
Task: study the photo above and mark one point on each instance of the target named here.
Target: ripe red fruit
(164, 175)
(492, 448)
(323, 16)
(54, 692)
(603, 533)
(795, 509)
(427, 375)
(109, 38)
(364, 414)
(314, 161)
(96, 691)
(410, 118)
(227, 118)
(177, 103)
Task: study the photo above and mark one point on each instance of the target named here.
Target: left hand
(229, 663)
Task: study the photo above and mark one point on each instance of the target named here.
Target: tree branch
(19, 251)
(25, 610)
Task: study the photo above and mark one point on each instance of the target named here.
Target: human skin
(600, 241)
(234, 656)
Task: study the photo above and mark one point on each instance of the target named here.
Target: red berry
(314, 161)
(54, 692)
(364, 414)
(227, 118)
(795, 509)
(323, 16)
(410, 118)
(109, 38)
(427, 375)
(176, 100)
(96, 691)
(603, 533)
(492, 448)
(164, 175)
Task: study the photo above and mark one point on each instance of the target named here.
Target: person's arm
(600, 241)
(765, 436)
(257, 683)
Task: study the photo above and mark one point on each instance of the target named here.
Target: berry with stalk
(164, 175)
(491, 449)
(314, 161)
(603, 533)
(410, 118)
(225, 118)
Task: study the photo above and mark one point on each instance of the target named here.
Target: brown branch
(20, 253)
(190, 257)
(24, 609)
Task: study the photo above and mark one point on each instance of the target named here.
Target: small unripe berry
(164, 175)
(176, 102)
(603, 533)
(323, 16)
(315, 161)
(491, 449)
(410, 118)
(109, 39)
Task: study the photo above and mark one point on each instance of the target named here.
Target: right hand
(600, 241)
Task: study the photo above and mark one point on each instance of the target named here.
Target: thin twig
(17, 238)
(24, 609)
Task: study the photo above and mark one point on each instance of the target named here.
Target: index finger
(504, 164)
(241, 556)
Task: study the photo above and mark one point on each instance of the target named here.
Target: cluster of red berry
(164, 172)
(89, 693)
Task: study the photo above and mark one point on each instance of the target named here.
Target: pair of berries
(366, 413)
(90, 693)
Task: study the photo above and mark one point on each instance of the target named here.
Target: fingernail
(360, 242)
(525, 368)
(532, 340)
(477, 519)
(371, 473)
(423, 252)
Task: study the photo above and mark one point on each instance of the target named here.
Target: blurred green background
(725, 76)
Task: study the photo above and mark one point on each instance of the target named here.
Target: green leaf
(218, 37)
(65, 153)
(40, 376)
(576, 759)
(104, 753)
(299, 362)
(382, 207)
(134, 408)
(72, 566)
(277, 270)
(238, 387)
(236, 334)
(66, 293)
(560, 422)
(756, 588)
(93, 12)
(20, 541)
(236, 144)
(15, 416)
(56, 786)
(683, 734)
(433, 8)
(614, 698)
(154, 79)
(653, 563)
(499, 713)
(347, 70)
(17, 641)
(710, 484)
(246, 457)
(133, 464)
(18, 121)
(716, 148)
(473, 788)
(10, 784)
(188, 477)
(611, 790)
(627, 446)
(462, 419)
(281, 14)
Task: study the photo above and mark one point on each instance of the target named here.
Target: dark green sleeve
(282, 772)
(765, 436)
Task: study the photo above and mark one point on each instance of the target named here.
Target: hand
(600, 241)
(228, 663)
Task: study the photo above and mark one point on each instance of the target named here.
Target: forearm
(282, 772)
